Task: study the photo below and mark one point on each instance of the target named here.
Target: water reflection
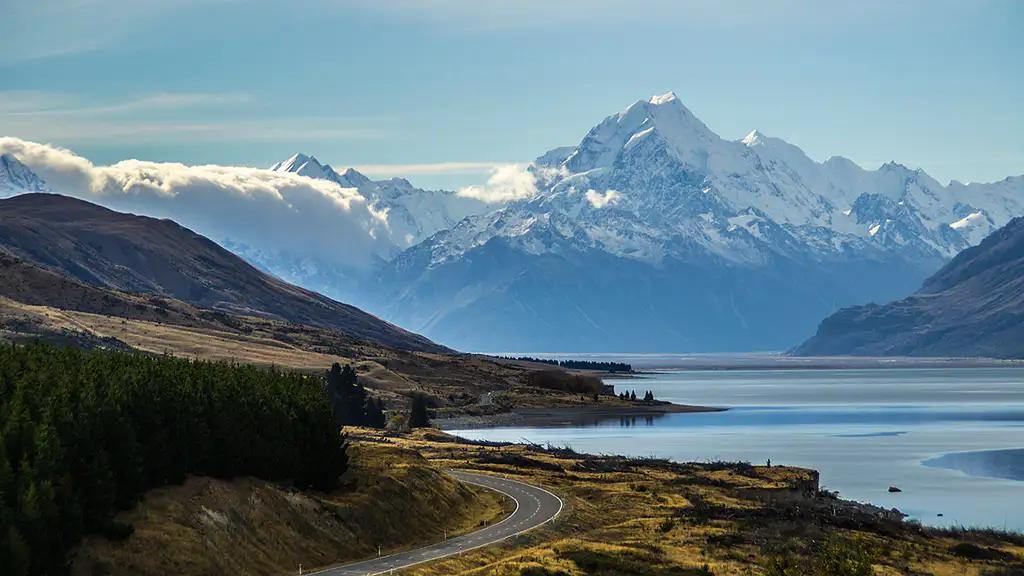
(626, 421)
(864, 430)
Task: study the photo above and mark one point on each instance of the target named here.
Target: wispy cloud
(506, 184)
(35, 29)
(725, 14)
(164, 118)
(438, 168)
(40, 104)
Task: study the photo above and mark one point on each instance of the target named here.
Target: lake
(950, 438)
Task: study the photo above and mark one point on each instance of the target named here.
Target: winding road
(534, 507)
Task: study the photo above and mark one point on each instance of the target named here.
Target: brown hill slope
(974, 306)
(139, 254)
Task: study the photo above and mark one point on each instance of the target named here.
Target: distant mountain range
(138, 254)
(653, 234)
(973, 306)
(656, 235)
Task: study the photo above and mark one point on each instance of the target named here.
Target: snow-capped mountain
(652, 234)
(655, 234)
(412, 214)
(16, 178)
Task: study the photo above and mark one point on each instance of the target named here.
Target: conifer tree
(418, 415)
(375, 413)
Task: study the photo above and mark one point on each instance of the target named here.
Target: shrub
(666, 525)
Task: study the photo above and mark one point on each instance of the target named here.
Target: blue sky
(441, 90)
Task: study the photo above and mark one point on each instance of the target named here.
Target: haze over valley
(702, 244)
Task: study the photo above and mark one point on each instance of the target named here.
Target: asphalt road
(534, 507)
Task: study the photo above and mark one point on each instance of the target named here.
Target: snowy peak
(354, 178)
(306, 166)
(311, 167)
(757, 138)
(412, 214)
(16, 178)
(667, 98)
(663, 119)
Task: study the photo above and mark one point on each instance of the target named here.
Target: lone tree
(375, 413)
(349, 401)
(632, 395)
(418, 416)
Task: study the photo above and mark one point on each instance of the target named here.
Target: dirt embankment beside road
(393, 498)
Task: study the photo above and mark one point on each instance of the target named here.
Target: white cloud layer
(598, 200)
(506, 184)
(255, 207)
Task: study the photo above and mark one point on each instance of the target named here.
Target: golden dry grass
(394, 499)
(642, 516)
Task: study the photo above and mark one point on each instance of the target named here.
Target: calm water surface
(864, 430)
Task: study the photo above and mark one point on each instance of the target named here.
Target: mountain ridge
(140, 254)
(654, 185)
(739, 245)
(973, 306)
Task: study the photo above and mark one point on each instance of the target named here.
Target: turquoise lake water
(864, 430)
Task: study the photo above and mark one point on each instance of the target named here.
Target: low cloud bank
(262, 209)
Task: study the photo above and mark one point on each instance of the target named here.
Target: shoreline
(1005, 464)
(566, 416)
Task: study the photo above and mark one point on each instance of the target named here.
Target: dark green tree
(84, 434)
(375, 413)
(419, 416)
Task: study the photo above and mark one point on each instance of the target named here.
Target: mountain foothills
(139, 254)
(974, 306)
(653, 234)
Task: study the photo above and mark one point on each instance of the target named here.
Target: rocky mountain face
(139, 254)
(16, 178)
(656, 235)
(973, 306)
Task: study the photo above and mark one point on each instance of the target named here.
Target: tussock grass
(649, 516)
(393, 498)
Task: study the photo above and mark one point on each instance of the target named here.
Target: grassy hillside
(645, 517)
(391, 497)
(109, 249)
